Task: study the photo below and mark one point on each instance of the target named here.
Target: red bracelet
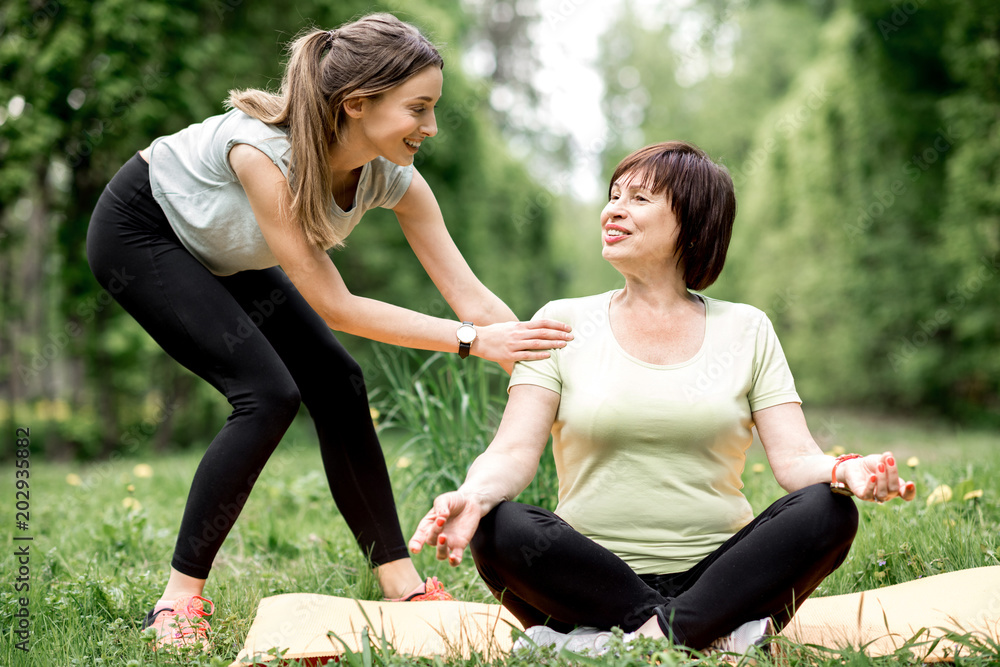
(840, 487)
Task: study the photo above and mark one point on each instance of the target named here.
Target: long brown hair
(326, 68)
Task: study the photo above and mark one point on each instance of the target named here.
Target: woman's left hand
(876, 478)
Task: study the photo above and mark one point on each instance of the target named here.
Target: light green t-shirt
(650, 457)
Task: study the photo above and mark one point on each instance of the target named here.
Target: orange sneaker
(184, 625)
(432, 589)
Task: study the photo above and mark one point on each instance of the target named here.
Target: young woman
(651, 410)
(199, 222)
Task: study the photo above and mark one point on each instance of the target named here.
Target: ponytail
(325, 69)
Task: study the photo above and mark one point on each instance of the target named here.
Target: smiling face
(395, 123)
(638, 227)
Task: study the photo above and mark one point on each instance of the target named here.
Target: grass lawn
(103, 534)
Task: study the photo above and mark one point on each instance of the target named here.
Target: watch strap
(464, 348)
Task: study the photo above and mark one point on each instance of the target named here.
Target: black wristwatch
(466, 335)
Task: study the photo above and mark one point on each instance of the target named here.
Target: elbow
(340, 313)
(787, 481)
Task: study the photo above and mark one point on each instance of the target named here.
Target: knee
(833, 517)
(483, 545)
(514, 535)
(340, 379)
(280, 402)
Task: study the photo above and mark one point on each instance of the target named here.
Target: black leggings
(545, 572)
(255, 339)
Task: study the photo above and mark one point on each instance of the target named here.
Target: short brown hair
(701, 196)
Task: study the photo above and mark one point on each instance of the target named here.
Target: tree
(89, 83)
(863, 144)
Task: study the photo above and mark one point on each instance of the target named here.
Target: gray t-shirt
(206, 205)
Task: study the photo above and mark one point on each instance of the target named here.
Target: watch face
(466, 334)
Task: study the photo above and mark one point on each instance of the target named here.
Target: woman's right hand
(507, 342)
(448, 526)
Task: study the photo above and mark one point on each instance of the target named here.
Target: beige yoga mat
(300, 622)
(880, 620)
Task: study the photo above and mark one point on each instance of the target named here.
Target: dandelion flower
(403, 462)
(913, 461)
(73, 479)
(143, 470)
(130, 488)
(375, 414)
(978, 493)
(131, 503)
(941, 494)
(757, 467)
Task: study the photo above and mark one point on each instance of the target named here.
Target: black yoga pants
(546, 573)
(255, 339)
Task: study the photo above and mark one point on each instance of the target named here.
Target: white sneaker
(586, 641)
(745, 638)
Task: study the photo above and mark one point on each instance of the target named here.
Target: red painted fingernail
(441, 539)
(440, 521)
(891, 461)
(881, 467)
(873, 479)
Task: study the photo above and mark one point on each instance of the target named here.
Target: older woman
(651, 408)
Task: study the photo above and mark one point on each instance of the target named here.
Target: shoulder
(387, 171)
(238, 122)
(576, 310)
(385, 184)
(734, 312)
(246, 159)
(237, 130)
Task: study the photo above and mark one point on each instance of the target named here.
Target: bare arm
(797, 461)
(500, 473)
(313, 273)
(423, 225)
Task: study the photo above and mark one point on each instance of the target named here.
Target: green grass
(101, 548)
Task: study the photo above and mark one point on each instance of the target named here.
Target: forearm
(495, 477)
(486, 308)
(386, 323)
(490, 309)
(510, 462)
(805, 470)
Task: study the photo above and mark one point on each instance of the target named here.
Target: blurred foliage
(84, 85)
(447, 417)
(863, 137)
(864, 141)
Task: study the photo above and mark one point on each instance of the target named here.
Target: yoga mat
(883, 619)
(880, 621)
(300, 622)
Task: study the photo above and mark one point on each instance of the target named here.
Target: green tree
(863, 140)
(86, 84)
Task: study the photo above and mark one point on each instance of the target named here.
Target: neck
(349, 153)
(664, 292)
